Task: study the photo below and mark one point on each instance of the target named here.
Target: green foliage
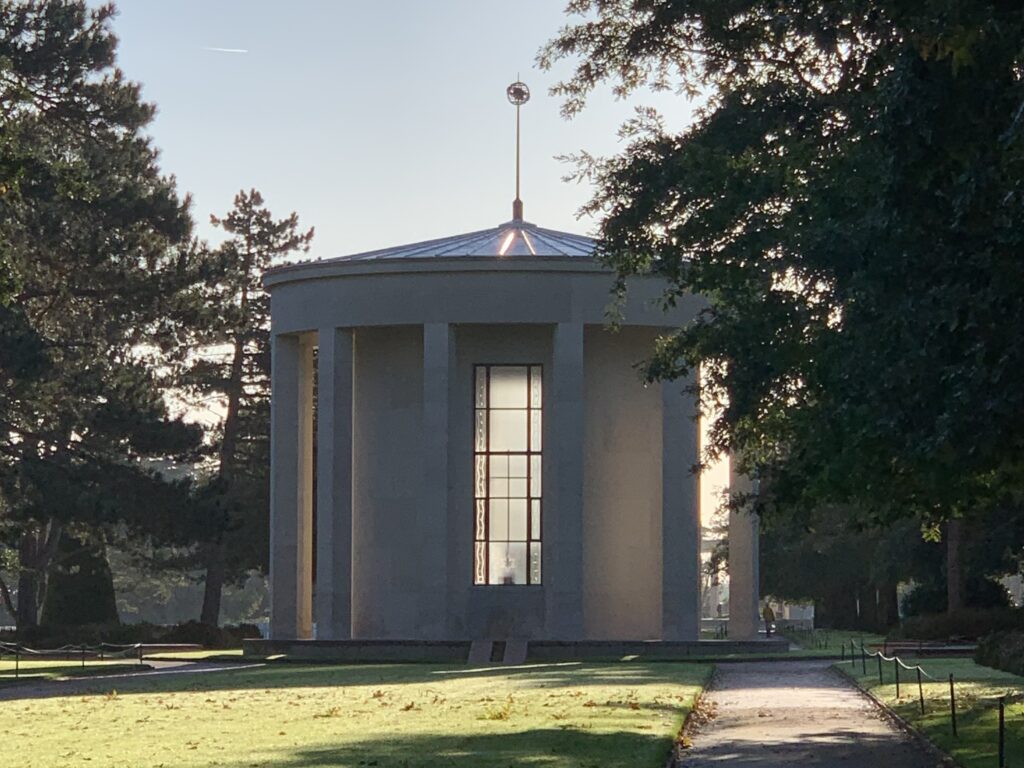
(834, 560)
(848, 202)
(233, 510)
(930, 597)
(849, 572)
(101, 279)
(1002, 650)
(80, 588)
(56, 635)
(971, 623)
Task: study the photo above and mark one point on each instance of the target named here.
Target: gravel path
(771, 714)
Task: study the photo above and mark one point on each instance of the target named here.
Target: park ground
(608, 715)
(551, 715)
(977, 690)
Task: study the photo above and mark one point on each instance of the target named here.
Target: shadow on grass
(836, 746)
(275, 676)
(538, 747)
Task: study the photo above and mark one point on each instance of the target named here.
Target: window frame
(532, 537)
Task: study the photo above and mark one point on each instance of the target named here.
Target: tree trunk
(954, 567)
(35, 553)
(216, 554)
(27, 614)
(213, 587)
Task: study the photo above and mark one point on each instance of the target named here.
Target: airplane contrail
(226, 50)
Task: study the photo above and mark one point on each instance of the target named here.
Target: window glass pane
(480, 531)
(499, 466)
(480, 563)
(517, 466)
(535, 519)
(499, 520)
(517, 520)
(535, 386)
(517, 488)
(481, 387)
(535, 563)
(508, 430)
(503, 564)
(508, 386)
(535, 476)
(481, 477)
(535, 431)
(517, 562)
(508, 563)
(480, 432)
(499, 487)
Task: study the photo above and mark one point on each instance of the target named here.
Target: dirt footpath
(769, 714)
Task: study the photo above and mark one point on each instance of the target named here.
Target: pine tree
(235, 497)
(101, 281)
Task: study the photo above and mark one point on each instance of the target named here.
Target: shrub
(56, 635)
(969, 624)
(1002, 650)
(930, 597)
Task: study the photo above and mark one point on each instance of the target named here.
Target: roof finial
(518, 94)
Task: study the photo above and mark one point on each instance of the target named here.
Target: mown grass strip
(978, 690)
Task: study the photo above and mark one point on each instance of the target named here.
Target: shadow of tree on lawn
(557, 748)
(288, 675)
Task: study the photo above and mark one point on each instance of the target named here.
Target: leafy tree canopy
(849, 202)
(100, 281)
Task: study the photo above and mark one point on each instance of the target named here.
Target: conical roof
(512, 239)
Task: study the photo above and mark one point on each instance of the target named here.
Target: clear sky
(380, 122)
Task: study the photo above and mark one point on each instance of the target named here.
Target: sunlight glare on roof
(508, 241)
(529, 244)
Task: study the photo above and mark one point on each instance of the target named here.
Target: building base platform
(458, 651)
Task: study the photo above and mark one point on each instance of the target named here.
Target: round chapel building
(462, 449)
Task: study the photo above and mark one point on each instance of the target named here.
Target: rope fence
(80, 653)
(883, 661)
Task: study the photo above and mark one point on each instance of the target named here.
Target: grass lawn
(828, 642)
(208, 655)
(977, 689)
(554, 715)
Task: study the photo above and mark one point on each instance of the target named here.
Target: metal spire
(518, 94)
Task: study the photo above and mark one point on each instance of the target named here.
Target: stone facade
(396, 343)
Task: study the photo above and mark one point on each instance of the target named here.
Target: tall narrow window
(507, 474)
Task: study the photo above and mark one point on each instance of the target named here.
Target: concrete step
(515, 652)
(480, 652)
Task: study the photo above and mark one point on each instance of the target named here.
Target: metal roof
(509, 240)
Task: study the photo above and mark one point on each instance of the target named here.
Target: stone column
(334, 486)
(291, 487)
(432, 513)
(744, 563)
(563, 511)
(680, 514)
